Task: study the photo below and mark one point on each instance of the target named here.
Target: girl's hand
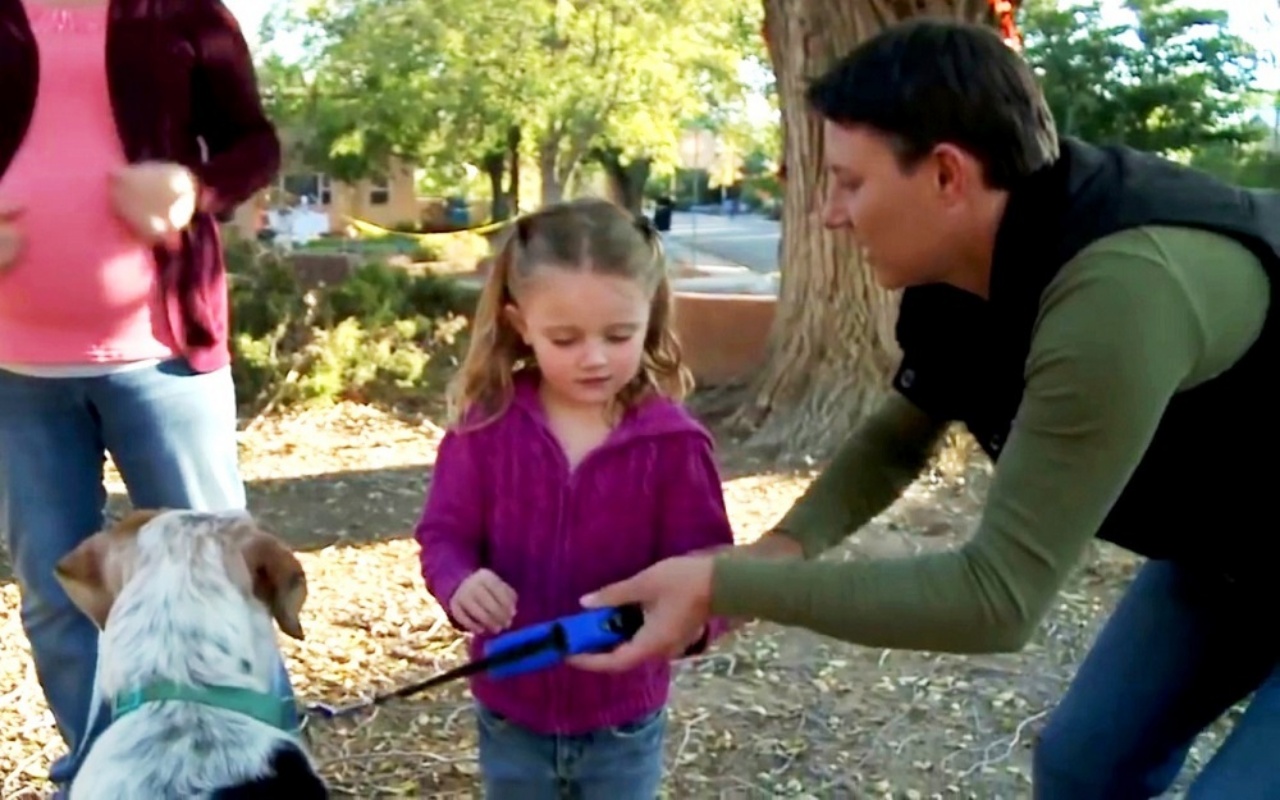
(483, 602)
(10, 236)
(155, 199)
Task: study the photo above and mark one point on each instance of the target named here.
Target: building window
(379, 191)
(313, 186)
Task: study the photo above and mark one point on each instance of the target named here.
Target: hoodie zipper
(562, 701)
(555, 569)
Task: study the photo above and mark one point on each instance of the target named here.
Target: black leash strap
(510, 656)
(589, 631)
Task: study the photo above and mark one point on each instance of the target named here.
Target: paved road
(747, 239)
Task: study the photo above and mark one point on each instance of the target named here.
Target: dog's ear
(83, 575)
(131, 523)
(89, 575)
(278, 579)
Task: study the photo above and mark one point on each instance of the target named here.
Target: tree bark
(494, 164)
(832, 349)
(513, 151)
(548, 171)
(625, 179)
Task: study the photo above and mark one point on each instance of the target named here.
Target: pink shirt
(84, 290)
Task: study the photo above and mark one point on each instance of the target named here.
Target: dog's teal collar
(263, 707)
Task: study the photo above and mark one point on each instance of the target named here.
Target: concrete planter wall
(723, 319)
(724, 336)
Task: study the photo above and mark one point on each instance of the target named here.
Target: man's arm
(1130, 322)
(867, 474)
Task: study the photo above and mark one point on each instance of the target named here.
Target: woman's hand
(155, 199)
(10, 236)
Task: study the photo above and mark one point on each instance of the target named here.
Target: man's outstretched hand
(676, 597)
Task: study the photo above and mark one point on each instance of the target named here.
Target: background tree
(832, 348)
(1165, 77)
(441, 82)
(425, 82)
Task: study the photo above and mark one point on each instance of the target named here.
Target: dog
(185, 601)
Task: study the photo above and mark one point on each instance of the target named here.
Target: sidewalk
(694, 271)
(713, 274)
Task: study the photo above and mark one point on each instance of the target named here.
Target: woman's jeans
(1181, 648)
(172, 434)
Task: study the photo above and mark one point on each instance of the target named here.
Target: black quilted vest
(1202, 491)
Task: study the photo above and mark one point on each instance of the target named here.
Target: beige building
(389, 201)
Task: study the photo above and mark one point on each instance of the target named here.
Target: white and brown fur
(189, 597)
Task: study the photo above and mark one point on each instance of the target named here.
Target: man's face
(900, 219)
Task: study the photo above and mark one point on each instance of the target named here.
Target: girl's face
(586, 330)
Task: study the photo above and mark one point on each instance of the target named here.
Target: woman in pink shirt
(113, 302)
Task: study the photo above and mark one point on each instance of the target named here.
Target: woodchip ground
(772, 713)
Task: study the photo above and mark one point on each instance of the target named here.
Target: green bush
(387, 365)
(378, 294)
(370, 338)
(424, 252)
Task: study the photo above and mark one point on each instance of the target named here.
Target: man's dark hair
(927, 82)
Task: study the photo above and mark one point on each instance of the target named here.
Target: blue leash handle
(594, 631)
(525, 650)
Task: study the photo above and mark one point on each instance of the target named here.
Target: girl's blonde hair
(584, 235)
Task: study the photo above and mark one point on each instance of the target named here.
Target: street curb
(699, 272)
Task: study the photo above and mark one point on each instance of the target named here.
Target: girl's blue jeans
(621, 763)
(172, 434)
(1181, 648)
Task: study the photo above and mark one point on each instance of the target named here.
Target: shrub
(369, 338)
(378, 294)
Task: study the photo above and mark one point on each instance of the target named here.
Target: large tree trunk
(832, 349)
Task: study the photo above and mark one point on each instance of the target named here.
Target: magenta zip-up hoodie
(502, 496)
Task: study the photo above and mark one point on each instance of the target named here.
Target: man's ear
(511, 312)
(278, 579)
(83, 575)
(956, 171)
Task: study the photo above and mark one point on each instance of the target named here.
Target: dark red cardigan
(180, 76)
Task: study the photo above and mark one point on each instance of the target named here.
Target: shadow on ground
(319, 511)
(359, 506)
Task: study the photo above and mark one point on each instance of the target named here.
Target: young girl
(571, 464)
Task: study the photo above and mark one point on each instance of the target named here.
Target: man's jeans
(1180, 649)
(172, 434)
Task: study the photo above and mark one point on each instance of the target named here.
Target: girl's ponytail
(483, 384)
(662, 369)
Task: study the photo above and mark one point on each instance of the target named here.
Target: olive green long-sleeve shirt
(1133, 319)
